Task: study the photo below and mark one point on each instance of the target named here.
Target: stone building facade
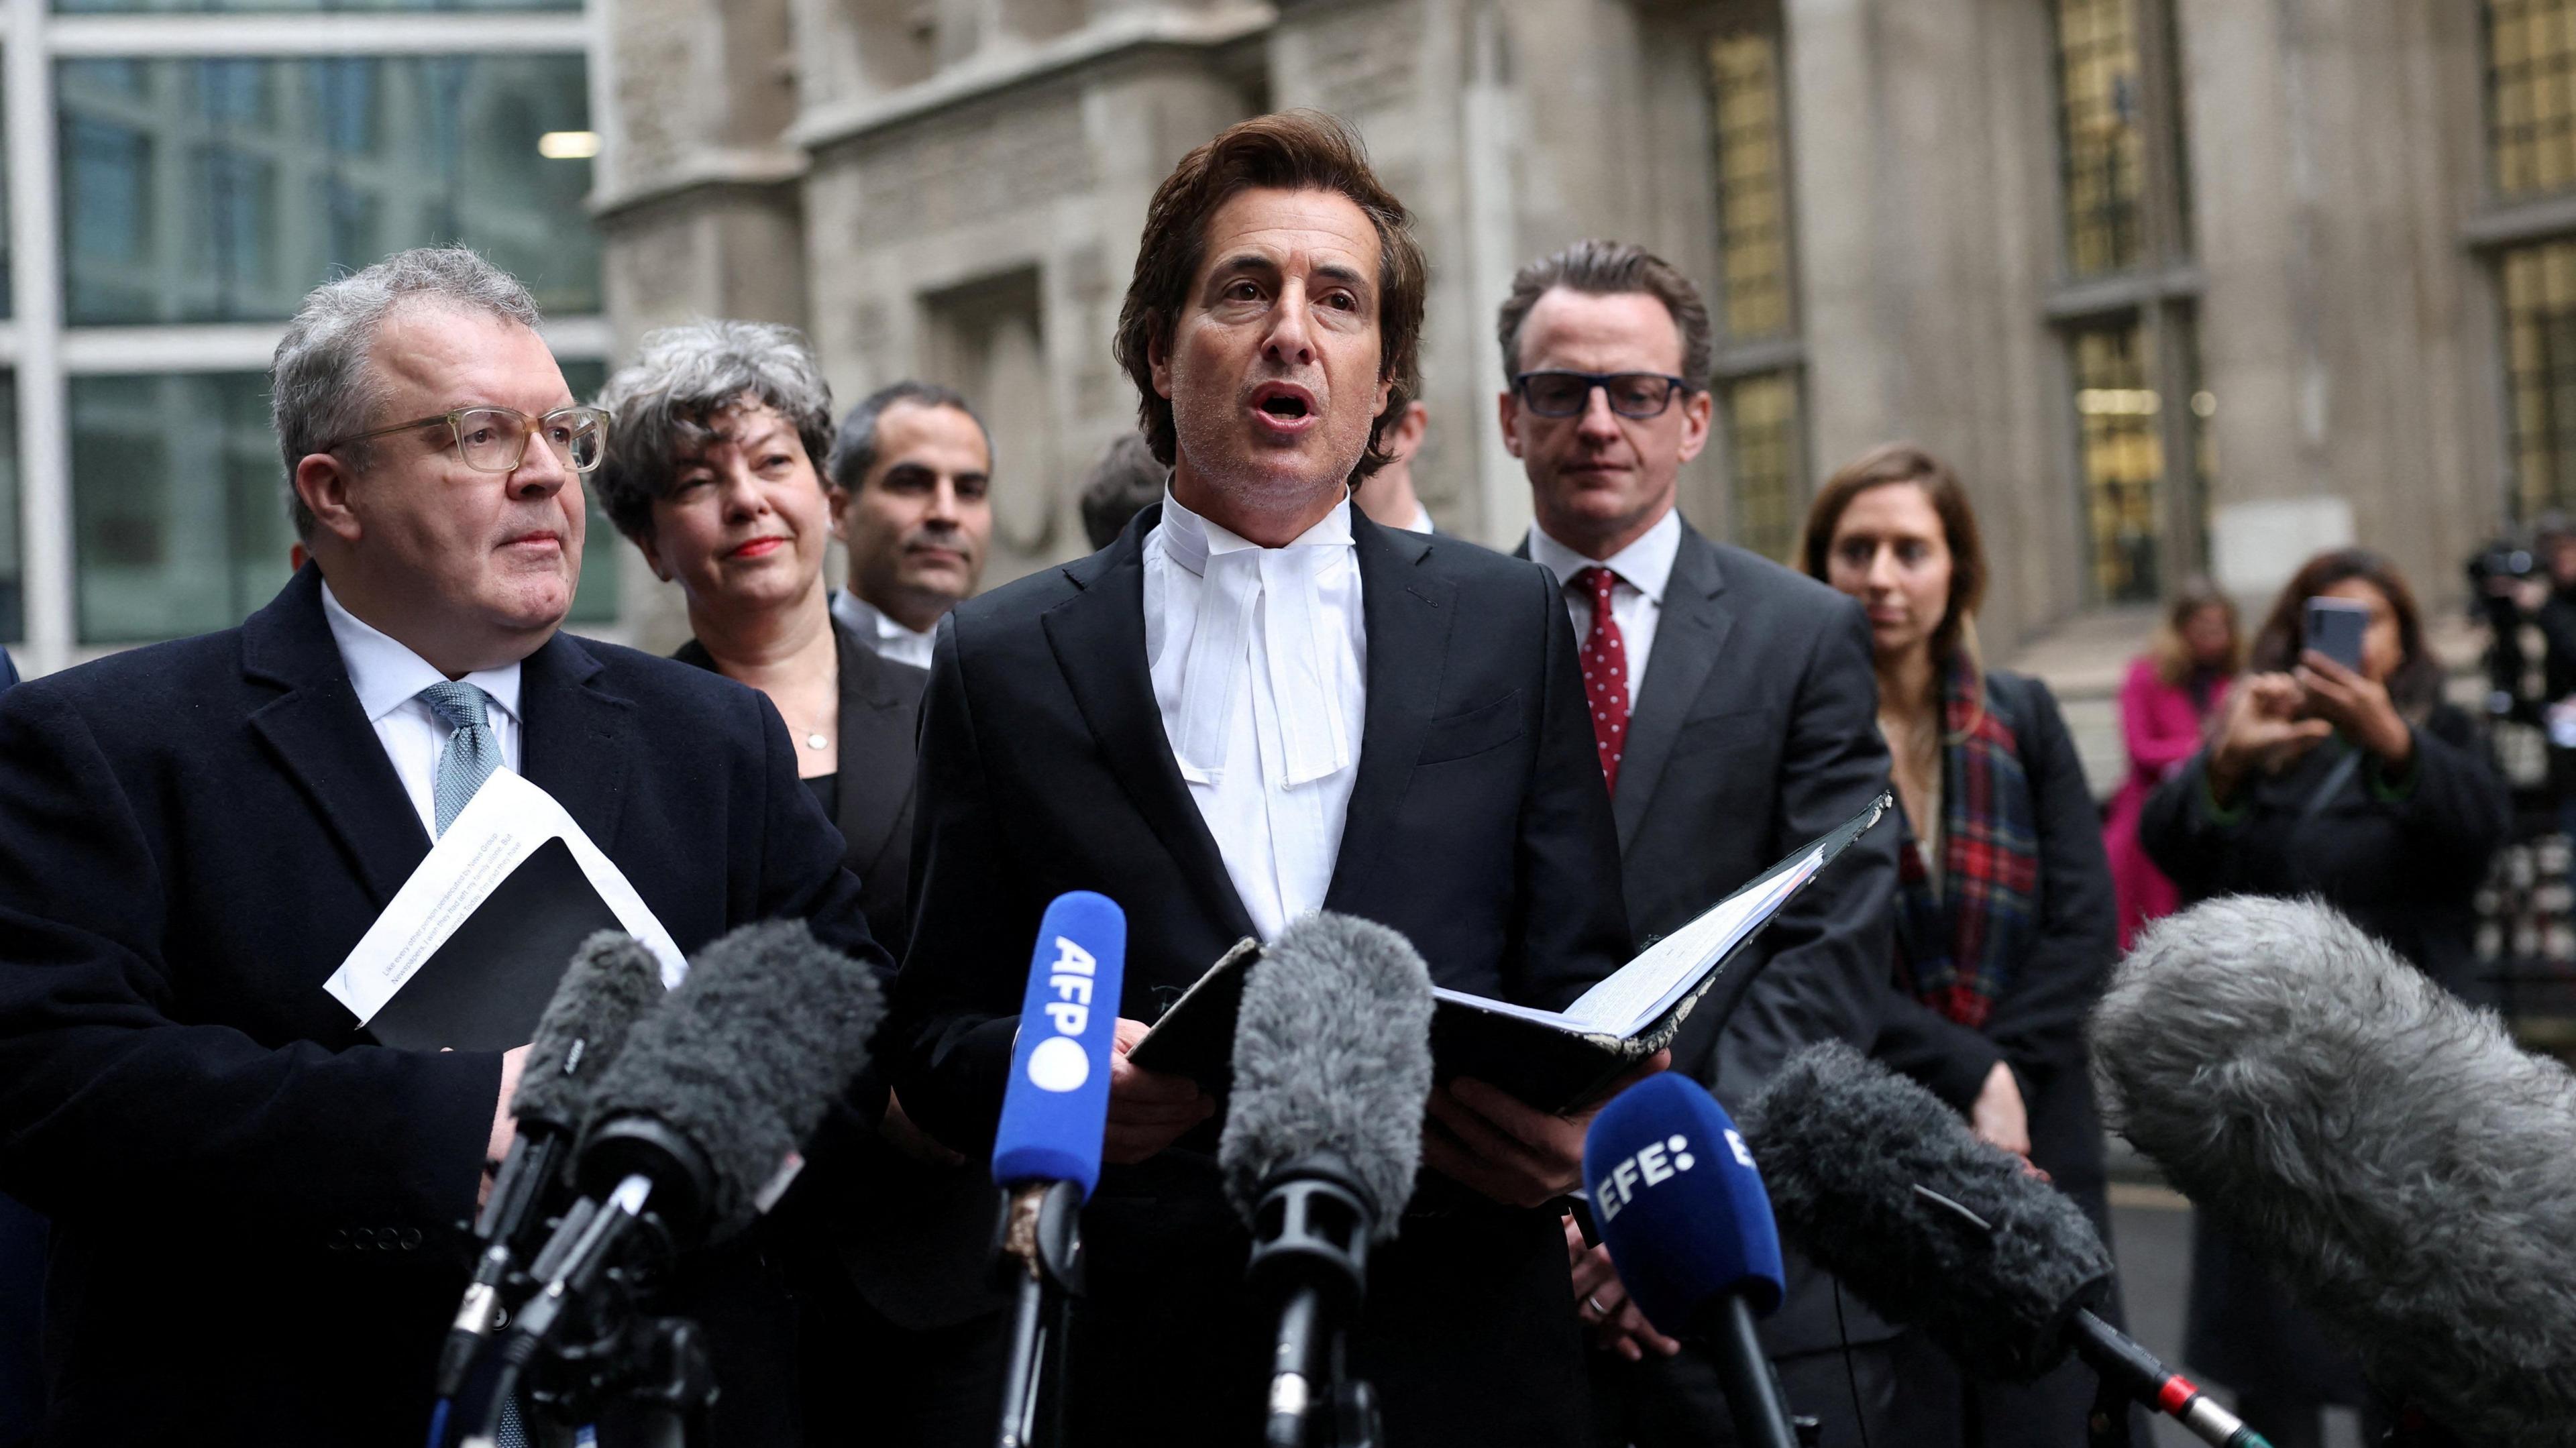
(2178, 285)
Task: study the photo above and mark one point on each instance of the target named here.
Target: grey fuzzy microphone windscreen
(612, 981)
(1843, 1143)
(1332, 1057)
(769, 1027)
(2389, 1153)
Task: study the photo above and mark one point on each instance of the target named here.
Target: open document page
(511, 877)
(1632, 997)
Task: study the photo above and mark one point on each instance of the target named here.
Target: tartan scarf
(1957, 948)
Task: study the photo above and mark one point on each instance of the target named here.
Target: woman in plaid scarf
(2004, 929)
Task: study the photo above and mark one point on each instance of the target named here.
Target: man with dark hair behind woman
(2003, 916)
(2362, 788)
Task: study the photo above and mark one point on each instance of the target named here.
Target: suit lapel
(576, 737)
(1407, 611)
(876, 748)
(320, 736)
(1098, 637)
(1689, 635)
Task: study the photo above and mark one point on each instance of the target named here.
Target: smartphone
(2334, 629)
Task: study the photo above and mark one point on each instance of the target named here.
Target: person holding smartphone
(2335, 771)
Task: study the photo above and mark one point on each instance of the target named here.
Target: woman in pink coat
(2170, 694)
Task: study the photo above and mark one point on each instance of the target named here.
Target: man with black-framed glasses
(1734, 712)
(254, 1203)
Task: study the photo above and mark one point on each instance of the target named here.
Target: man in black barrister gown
(1256, 704)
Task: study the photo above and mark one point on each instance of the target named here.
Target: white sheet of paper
(1645, 987)
(505, 822)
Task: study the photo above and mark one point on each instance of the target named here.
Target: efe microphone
(1885, 1187)
(612, 981)
(2387, 1151)
(1323, 1134)
(1046, 1149)
(1679, 1204)
(697, 1122)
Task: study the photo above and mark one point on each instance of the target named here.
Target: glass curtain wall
(204, 182)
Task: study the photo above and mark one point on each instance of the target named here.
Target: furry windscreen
(2392, 1156)
(1843, 1143)
(769, 1027)
(612, 981)
(1332, 1055)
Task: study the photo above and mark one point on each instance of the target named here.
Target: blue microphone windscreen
(1679, 1203)
(1057, 1104)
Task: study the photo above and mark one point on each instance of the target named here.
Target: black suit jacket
(253, 1203)
(880, 707)
(1757, 731)
(915, 1239)
(1477, 826)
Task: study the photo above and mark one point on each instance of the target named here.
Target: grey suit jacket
(1755, 732)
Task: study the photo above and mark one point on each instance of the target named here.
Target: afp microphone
(1682, 1210)
(612, 981)
(2394, 1159)
(1885, 1187)
(1323, 1134)
(697, 1122)
(1046, 1149)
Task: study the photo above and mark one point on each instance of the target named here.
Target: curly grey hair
(321, 385)
(683, 380)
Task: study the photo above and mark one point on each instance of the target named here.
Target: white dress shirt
(1643, 568)
(388, 678)
(1421, 519)
(1259, 658)
(890, 639)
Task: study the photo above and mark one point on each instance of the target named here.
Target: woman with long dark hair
(2004, 916)
(2171, 693)
(2361, 787)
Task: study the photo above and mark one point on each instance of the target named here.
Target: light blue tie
(470, 754)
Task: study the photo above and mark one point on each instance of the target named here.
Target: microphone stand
(1753, 1396)
(1318, 1256)
(1042, 1246)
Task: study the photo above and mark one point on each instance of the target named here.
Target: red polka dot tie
(1605, 673)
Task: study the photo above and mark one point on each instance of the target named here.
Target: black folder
(1549, 1059)
(485, 987)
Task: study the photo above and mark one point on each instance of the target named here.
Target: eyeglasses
(1566, 394)
(495, 439)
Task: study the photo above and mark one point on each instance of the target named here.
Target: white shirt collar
(1645, 565)
(1191, 540)
(387, 675)
(875, 623)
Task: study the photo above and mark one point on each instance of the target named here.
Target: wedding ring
(1595, 1304)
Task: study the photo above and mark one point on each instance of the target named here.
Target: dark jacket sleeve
(1830, 950)
(1573, 923)
(109, 1102)
(956, 1000)
(2039, 1023)
(2452, 805)
(2186, 838)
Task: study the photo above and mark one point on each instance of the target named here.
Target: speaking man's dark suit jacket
(1755, 732)
(1477, 826)
(249, 1199)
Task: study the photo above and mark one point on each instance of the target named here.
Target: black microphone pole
(1042, 1253)
(1753, 1397)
